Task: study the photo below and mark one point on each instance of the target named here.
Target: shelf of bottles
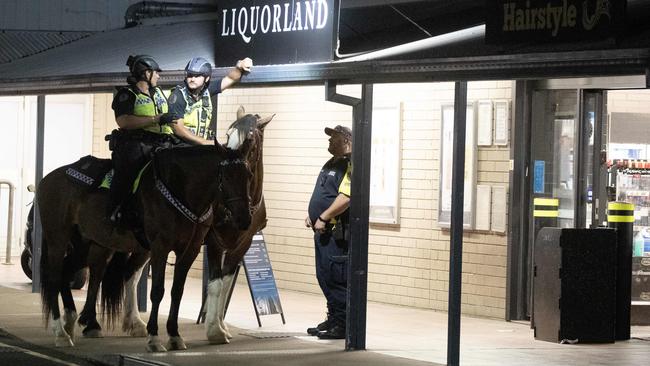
(633, 186)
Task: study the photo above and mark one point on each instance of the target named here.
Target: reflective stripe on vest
(198, 113)
(145, 107)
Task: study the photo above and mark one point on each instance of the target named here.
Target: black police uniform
(332, 245)
(132, 149)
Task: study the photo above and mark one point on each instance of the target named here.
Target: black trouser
(332, 275)
(131, 152)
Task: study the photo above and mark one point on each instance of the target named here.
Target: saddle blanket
(88, 171)
(96, 173)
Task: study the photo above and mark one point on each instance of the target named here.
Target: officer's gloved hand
(166, 119)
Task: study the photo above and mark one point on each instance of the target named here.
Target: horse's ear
(262, 122)
(241, 112)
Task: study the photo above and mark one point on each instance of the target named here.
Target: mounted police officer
(328, 216)
(144, 124)
(191, 103)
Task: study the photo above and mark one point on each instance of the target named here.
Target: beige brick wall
(408, 263)
(630, 101)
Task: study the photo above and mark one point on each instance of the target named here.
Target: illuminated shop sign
(275, 32)
(552, 20)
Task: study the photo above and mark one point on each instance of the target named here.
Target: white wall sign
(385, 164)
(446, 164)
(501, 122)
(499, 204)
(483, 206)
(485, 123)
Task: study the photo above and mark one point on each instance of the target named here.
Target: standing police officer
(329, 218)
(144, 124)
(191, 104)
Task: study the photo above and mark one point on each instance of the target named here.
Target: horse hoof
(154, 345)
(138, 332)
(63, 342)
(93, 333)
(70, 320)
(176, 344)
(156, 348)
(218, 339)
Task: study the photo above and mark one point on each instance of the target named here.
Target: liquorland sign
(552, 20)
(275, 32)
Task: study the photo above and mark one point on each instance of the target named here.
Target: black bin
(574, 285)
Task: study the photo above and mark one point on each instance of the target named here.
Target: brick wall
(630, 101)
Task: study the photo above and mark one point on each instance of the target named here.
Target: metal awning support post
(357, 294)
(456, 245)
(37, 238)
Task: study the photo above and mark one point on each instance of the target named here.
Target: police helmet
(140, 63)
(198, 66)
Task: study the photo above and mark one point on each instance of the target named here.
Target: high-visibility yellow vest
(146, 106)
(198, 113)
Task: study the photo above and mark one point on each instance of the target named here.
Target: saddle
(88, 171)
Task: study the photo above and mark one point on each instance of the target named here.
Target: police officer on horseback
(191, 103)
(141, 112)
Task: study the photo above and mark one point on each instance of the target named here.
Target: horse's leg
(52, 286)
(69, 309)
(158, 262)
(73, 262)
(98, 258)
(183, 265)
(132, 323)
(213, 324)
(228, 270)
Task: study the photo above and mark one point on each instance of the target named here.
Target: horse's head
(249, 127)
(246, 127)
(234, 181)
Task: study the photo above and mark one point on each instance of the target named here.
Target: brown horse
(175, 198)
(226, 244)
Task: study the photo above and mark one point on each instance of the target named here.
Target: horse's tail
(113, 288)
(46, 285)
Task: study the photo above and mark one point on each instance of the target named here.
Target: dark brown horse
(175, 198)
(226, 244)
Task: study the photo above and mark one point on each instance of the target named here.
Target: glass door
(591, 199)
(567, 134)
(553, 146)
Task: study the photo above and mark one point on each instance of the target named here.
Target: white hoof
(226, 331)
(69, 322)
(215, 333)
(63, 341)
(137, 328)
(218, 338)
(154, 344)
(176, 344)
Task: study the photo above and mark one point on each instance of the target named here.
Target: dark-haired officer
(191, 103)
(144, 124)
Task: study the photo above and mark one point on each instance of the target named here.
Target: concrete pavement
(396, 335)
